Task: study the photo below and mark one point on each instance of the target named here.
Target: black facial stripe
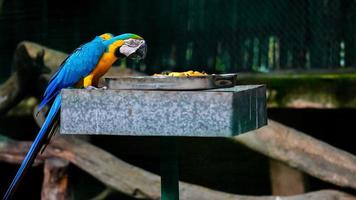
(118, 54)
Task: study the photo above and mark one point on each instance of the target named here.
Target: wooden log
(303, 152)
(134, 181)
(10, 94)
(51, 59)
(55, 181)
(285, 180)
(30, 64)
(13, 152)
(195, 192)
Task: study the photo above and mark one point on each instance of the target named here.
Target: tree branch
(303, 152)
(55, 181)
(32, 65)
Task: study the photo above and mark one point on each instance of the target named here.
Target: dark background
(209, 35)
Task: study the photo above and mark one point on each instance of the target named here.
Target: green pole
(169, 169)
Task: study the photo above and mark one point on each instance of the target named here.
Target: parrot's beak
(140, 53)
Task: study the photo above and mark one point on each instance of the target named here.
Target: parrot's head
(127, 45)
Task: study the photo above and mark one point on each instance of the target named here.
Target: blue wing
(75, 67)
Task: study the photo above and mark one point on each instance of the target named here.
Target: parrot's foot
(95, 88)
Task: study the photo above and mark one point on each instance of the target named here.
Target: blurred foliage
(209, 35)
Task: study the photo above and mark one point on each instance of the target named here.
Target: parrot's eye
(134, 42)
(131, 43)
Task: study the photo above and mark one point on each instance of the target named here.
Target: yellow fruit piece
(183, 74)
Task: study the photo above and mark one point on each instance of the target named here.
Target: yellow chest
(104, 64)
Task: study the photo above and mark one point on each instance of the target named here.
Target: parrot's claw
(95, 88)
(91, 88)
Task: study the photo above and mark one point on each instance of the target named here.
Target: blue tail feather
(35, 147)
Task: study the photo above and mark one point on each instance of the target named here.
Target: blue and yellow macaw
(82, 68)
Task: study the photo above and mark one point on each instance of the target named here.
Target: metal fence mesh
(260, 35)
(209, 35)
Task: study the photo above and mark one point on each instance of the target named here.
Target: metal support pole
(169, 169)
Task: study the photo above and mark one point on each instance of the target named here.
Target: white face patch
(130, 46)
